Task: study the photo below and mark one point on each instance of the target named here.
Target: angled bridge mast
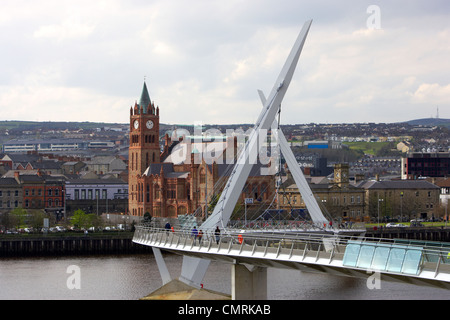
(194, 269)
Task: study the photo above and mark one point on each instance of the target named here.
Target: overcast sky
(204, 60)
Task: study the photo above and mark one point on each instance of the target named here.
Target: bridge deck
(421, 264)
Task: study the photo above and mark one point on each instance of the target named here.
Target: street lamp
(379, 200)
(64, 199)
(401, 207)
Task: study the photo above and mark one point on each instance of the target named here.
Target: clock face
(136, 124)
(149, 124)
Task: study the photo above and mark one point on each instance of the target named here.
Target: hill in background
(54, 125)
(430, 122)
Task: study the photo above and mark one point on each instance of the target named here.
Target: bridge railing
(354, 252)
(294, 225)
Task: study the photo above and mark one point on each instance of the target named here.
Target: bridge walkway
(425, 263)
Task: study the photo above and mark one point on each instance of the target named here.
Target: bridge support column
(248, 283)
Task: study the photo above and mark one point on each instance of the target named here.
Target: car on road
(395, 225)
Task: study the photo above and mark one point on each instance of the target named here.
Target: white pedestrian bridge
(251, 251)
(415, 262)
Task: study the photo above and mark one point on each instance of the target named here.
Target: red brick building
(42, 192)
(165, 187)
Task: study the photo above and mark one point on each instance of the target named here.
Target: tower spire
(144, 102)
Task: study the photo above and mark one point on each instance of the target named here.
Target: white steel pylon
(233, 188)
(194, 269)
(307, 195)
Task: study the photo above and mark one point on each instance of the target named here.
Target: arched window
(202, 176)
(157, 192)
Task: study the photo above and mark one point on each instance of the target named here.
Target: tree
(37, 219)
(84, 221)
(8, 220)
(19, 215)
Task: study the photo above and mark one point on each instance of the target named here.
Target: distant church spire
(144, 102)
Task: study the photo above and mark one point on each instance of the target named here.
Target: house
(104, 164)
(72, 167)
(401, 199)
(404, 146)
(10, 195)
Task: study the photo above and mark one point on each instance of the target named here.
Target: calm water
(133, 277)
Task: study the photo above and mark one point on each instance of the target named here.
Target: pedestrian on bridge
(194, 234)
(217, 234)
(200, 235)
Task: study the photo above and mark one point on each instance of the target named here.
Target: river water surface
(130, 277)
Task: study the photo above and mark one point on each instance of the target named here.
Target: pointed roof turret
(144, 102)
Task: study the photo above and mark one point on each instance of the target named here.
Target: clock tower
(341, 171)
(144, 145)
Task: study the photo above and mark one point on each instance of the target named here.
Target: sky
(204, 60)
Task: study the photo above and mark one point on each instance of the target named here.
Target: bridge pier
(248, 282)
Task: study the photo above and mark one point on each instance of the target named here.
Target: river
(130, 277)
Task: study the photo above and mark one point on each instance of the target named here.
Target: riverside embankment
(69, 244)
(438, 234)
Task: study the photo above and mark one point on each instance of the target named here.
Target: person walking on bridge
(200, 235)
(194, 234)
(217, 234)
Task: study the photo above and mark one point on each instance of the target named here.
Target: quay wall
(424, 234)
(123, 244)
(60, 246)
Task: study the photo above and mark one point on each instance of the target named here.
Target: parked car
(395, 225)
(416, 223)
